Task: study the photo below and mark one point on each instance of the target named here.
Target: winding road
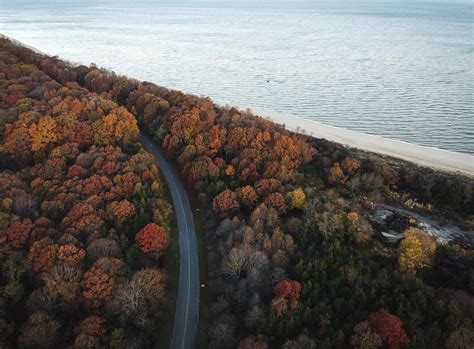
(187, 304)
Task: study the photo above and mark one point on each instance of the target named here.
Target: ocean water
(398, 69)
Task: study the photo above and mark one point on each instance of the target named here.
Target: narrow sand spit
(426, 156)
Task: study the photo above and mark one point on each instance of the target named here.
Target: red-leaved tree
(153, 239)
(390, 329)
(18, 232)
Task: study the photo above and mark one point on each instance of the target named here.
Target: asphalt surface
(187, 303)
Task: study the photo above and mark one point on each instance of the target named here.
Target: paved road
(187, 303)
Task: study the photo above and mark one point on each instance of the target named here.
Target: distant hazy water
(401, 70)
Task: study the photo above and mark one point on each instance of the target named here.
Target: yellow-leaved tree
(416, 251)
(297, 198)
(118, 126)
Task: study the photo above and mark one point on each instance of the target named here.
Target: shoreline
(435, 158)
(22, 44)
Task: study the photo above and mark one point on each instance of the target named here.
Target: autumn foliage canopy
(152, 239)
(389, 328)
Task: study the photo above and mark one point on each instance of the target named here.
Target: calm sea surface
(402, 70)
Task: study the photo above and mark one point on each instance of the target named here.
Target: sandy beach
(426, 156)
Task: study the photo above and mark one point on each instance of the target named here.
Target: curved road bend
(187, 303)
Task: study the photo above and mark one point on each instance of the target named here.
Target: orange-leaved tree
(43, 133)
(247, 195)
(97, 286)
(124, 211)
(153, 239)
(71, 254)
(43, 254)
(225, 201)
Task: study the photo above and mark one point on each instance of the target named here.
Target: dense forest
(295, 256)
(84, 218)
